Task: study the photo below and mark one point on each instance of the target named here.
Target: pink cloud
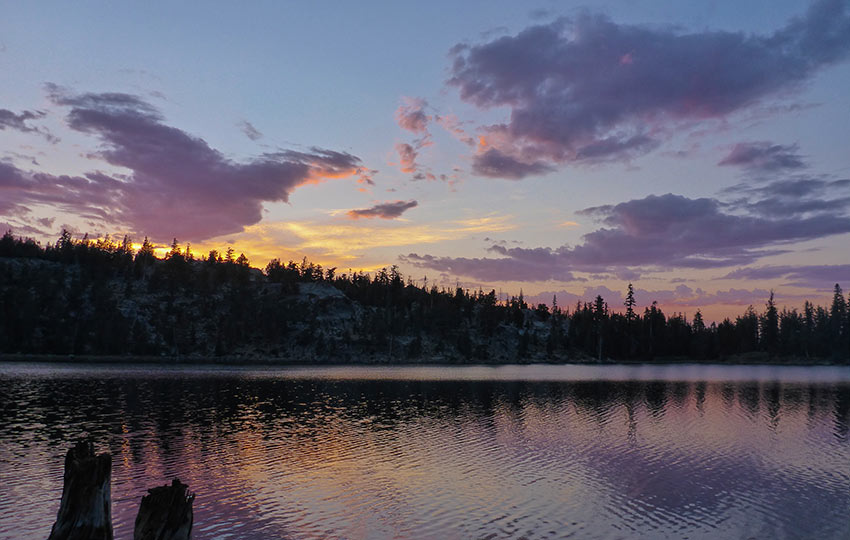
(177, 185)
(407, 157)
(411, 115)
(454, 126)
(587, 89)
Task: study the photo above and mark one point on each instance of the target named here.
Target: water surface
(443, 452)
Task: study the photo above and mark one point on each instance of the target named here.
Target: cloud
(568, 224)
(176, 184)
(493, 222)
(364, 177)
(411, 115)
(407, 157)
(19, 229)
(10, 120)
(11, 177)
(797, 196)
(676, 231)
(19, 122)
(86, 196)
(821, 276)
(454, 126)
(495, 164)
(615, 147)
(586, 89)
(492, 269)
(764, 156)
(795, 187)
(387, 210)
(657, 233)
(46, 222)
(431, 177)
(249, 130)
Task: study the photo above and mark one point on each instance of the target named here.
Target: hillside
(94, 298)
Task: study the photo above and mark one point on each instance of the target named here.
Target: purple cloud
(88, 196)
(495, 164)
(10, 120)
(797, 187)
(250, 131)
(778, 206)
(492, 269)
(20, 229)
(798, 196)
(821, 276)
(387, 210)
(46, 222)
(764, 156)
(19, 122)
(588, 89)
(656, 232)
(177, 185)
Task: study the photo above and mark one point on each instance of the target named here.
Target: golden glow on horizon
(356, 245)
(341, 238)
(338, 241)
(160, 250)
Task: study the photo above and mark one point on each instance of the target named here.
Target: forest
(83, 297)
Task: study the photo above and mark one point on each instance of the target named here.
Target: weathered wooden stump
(85, 510)
(165, 513)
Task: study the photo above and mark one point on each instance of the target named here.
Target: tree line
(103, 297)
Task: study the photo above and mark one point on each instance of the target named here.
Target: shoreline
(265, 362)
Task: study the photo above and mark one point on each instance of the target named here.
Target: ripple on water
(442, 453)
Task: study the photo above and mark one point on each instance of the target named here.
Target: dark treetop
(102, 298)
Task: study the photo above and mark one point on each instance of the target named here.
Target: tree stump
(165, 513)
(85, 510)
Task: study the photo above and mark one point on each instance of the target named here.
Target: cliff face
(200, 309)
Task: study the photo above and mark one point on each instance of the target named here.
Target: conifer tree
(770, 326)
(838, 323)
(699, 324)
(630, 304)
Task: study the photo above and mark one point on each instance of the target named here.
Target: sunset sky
(700, 150)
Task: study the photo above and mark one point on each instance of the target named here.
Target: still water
(443, 452)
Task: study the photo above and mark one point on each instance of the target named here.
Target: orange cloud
(568, 224)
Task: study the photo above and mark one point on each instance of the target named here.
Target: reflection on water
(517, 452)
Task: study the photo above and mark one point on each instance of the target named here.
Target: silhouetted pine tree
(838, 324)
(98, 297)
(769, 324)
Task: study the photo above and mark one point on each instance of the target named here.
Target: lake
(698, 452)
